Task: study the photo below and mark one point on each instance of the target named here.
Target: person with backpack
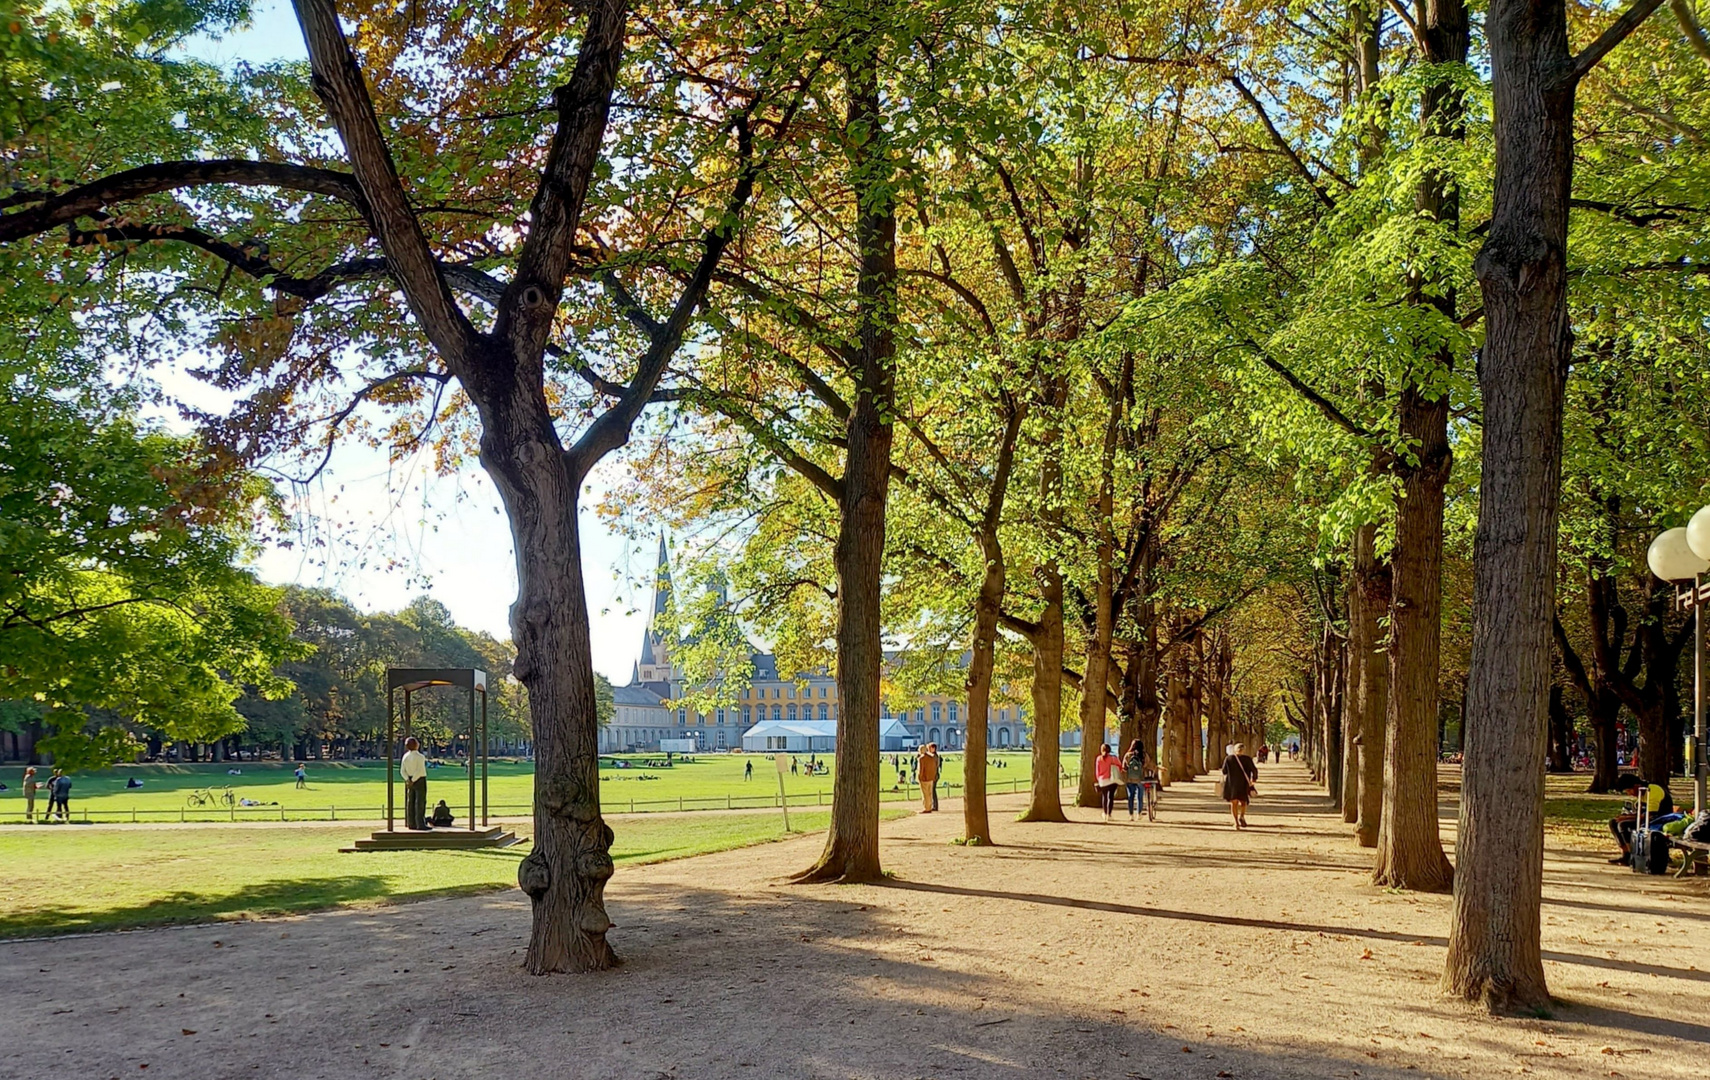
(1134, 769)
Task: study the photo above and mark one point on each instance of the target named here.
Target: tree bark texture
(1047, 697)
(976, 823)
(1494, 933)
(565, 875)
(1374, 583)
(1359, 644)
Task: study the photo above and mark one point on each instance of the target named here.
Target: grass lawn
(77, 878)
(358, 789)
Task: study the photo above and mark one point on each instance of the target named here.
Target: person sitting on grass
(1621, 826)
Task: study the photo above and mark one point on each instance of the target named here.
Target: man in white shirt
(413, 768)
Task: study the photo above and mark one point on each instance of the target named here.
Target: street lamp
(1681, 557)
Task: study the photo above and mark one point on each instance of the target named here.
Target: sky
(386, 533)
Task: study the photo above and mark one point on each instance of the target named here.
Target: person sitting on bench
(441, 816)
(1621, 826)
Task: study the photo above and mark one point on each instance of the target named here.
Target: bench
(1693, 854)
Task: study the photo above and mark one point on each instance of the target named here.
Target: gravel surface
(1174, 949)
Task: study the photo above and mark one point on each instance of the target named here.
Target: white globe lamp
(1672, 559)
(1698, 533)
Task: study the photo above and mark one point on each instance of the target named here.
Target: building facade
(774, 697)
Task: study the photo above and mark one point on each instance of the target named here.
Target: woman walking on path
(1134, 769)
(1108, 770)
(1239, 777)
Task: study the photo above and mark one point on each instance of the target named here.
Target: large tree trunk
(1560, 753)
(1410, 851)
(1359, 644)
(976, 824)
(1494, 933)
(1128, 704)
(1196, 708)
(1374, 584)
(1093, 709)
(852, 846)
(565, 875)
(1177, 756)
(1328, 754)
(1046, 803)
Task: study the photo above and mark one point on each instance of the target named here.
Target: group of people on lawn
(58, 789)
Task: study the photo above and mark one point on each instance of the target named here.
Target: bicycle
(204, 797)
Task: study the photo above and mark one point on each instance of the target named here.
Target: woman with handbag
(1240, 776)
(1108, 771)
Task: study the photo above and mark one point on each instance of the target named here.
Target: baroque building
(776, 710)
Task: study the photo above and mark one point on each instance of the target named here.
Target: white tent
(815, 736)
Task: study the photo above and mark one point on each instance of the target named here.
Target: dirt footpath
(1166, 950)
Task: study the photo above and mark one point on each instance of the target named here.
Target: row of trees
(1085, 339)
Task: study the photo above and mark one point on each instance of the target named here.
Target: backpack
(1699, 830)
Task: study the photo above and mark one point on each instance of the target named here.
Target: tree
(406, 253)
(1494, 934)
(124, 591)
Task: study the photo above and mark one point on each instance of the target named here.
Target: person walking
(302, 777)
(1107, 770)
(928, 778)
(748, 770)
(413, 768)
(1134, 771)
(30, 787)
(1240, 776)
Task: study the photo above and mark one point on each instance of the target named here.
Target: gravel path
(1166, 950)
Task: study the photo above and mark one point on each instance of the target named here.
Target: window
(748, 715)
(721, 740)
(777, 693)
(777, 713)
(822, 711)
(954, 710)
(822, 691)
(701, 720)
(790, 712)
(937, 713)
(792, 689)
(1003, 714)
(720, 714)
(682, 716)
(920, 716)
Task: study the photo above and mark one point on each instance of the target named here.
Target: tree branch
(1280, 142)
(612, 428)
(339, 83)
(1606, 41)
(56, 210)
(583, 104)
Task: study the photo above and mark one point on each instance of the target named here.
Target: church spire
(661, 581)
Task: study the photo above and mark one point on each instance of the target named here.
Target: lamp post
(1681, 557)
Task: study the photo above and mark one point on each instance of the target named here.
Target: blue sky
(387, 533)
